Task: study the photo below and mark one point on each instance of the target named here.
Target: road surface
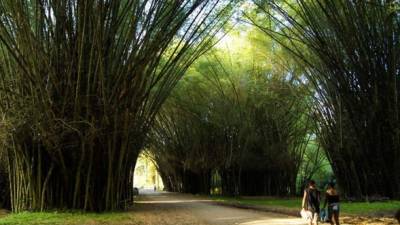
(179, 209)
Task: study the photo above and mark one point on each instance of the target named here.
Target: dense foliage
(350, 50)
(236, 117)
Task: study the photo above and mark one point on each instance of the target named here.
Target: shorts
(333, 208)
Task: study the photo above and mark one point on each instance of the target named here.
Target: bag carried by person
(305, 214)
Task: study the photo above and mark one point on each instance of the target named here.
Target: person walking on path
(332, 199)
(311, 202)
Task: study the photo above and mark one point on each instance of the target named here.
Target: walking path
(180, 209)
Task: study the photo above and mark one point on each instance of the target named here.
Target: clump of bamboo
(4, 183)
(350, 50)
(81, 82)
(246, 125)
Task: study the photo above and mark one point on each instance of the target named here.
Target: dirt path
(178, 209)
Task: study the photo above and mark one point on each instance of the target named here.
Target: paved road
(179, 209)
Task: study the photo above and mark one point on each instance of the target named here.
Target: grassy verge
(354, 208)
(67, 218)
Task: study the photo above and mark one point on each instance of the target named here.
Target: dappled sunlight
(206, 210)
(171, 201)
(285, 221)
(231, 218)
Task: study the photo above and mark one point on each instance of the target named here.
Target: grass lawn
(68, 218)
(354, 208)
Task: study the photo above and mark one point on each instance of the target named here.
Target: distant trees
(81, 82)
(350, 50)
(234, 116)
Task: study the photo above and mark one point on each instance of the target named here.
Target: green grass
(276, 202)
(368, 208)
(66, 218)
(354, 208)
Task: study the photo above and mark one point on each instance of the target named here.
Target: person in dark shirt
(332, 200)
(311, 202)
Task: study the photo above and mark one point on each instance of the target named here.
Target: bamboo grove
(350, 51)
(81, 82)
(234, 120)
(348, 54)
(300, 85)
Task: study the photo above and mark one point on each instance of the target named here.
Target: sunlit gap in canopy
(146, 175)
